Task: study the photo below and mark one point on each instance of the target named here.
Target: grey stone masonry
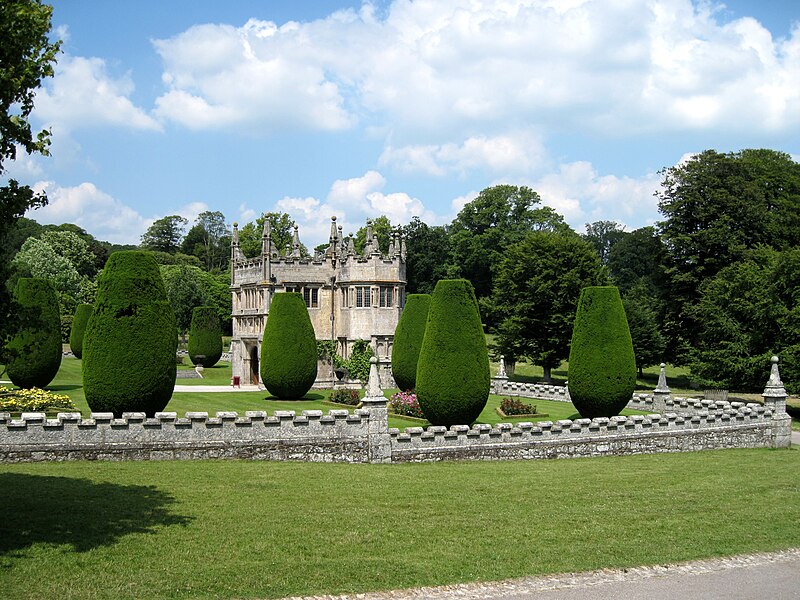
(364, 435)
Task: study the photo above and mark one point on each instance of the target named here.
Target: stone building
(349, 296)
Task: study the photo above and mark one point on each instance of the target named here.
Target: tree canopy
(165, 234)
(537, 287)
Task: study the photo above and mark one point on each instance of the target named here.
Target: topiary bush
(205, 336)
(602, 364)
(408, 340)
(78, 329)
(289, 348)
(130, 341)
(35, 348)
(453, 368)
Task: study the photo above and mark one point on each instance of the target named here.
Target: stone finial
(662, 387)
(374, 383)
(774, 387)
(501, 371)
(334, 237)
(266, 232)
(235, 236)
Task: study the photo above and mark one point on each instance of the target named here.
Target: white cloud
(583, 196)
(256, 77)
(506, 154)
(96, 211)
(83, 94)
(353, 192)
(438, 69)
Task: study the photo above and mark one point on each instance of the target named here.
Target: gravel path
(774, 575)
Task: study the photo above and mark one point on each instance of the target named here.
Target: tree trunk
(546, 369)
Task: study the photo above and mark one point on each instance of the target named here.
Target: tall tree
(717, 207)
(536, 291)
(185, 292)
(282, 230)
(426, 250)
(638, 257)
(209, 240)
(381, 228)
(499, 217)
(27, 56)
(165, 234)
(602, 235)
(747, 313)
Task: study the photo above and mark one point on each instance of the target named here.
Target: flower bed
(514, 408)
(346, 397)
(405, 404)
(33, 400)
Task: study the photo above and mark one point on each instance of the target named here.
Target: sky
(399, 108)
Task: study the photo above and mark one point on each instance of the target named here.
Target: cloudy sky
(338, 107)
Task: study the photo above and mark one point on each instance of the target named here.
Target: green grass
(204, 529)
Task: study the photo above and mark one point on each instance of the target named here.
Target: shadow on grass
(63, 387)
(79, 512)
(307, 398)
(557, 378)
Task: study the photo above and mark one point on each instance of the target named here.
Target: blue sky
(400, 108)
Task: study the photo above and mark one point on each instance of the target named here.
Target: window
(311, 296)
(290, 288)
(363, 296)
(346, 297)
(386, 295)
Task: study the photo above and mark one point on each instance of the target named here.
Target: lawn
(236, 529)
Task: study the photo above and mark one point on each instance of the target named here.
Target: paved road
(775, 576)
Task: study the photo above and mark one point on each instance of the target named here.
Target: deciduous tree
(537, 287)
(165, 234)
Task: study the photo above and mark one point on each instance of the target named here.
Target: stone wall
(364, 436)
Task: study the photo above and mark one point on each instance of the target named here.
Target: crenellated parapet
(749, 426)
(312, 435)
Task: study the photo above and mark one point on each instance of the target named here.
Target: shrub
(79, 321)
(34, 400)
(602, 365)
(205, 336)
(349, 397)
(453, 369)
(289, 348)
(35, 348)
(513, 406)
(408, 340)
(405, 403)
(130, 341)
(358, 363)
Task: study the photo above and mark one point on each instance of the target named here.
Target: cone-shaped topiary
(289, 348)
(205, 336)
(131, 338)
(79, 322)
(453, 369)
(35, 348)
(602, 365)
(408, 340)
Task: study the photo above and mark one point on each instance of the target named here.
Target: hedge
(602, 364)
(78, 329)
(205, 336)
(131, 338)
(408, 340)
(453, 369)
(35, 348)
(289, 348)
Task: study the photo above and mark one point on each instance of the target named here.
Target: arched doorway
(254, 371)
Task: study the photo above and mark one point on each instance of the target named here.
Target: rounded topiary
(453, 369)
(289, 348)
(408, 340)
(602, 364)
(205, 336)
(130, 341)
(78, 329)
(35, 348)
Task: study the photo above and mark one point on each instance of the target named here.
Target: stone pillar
(374, 406)
(501, 378)
(775, 399)
(662, 392)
